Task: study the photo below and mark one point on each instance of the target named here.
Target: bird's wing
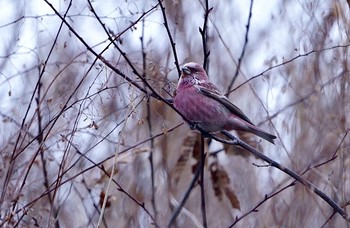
(216, 95)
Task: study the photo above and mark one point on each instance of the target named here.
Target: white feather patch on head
(191, 80)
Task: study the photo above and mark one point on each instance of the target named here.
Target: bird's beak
(185, 70)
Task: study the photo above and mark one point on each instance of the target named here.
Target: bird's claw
(205, 134)
(193, 125)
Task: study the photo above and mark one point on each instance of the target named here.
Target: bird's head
(193, 73)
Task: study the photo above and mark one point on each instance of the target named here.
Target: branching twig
(204, 34)
(235, 141)
(147, 86)
(286, 170)
(99, 165)
(243, 50)
(287, 62)
(170, 36)
(40, 142)
(267, 197)
(65, 106)
(149, 117)
(186, 195)
(114, 165)
(305, 97)
(40, 134)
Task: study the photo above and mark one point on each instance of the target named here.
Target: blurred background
(78, 88)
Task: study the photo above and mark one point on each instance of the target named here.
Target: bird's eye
(186, 70)
(193, 69)
(190, 69)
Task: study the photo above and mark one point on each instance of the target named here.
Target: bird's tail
(267, 136)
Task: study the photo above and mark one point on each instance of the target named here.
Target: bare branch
(243, 50)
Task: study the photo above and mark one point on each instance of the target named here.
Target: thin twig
(267, 197)
(243, 50)
(114, 165)
(40, 142)
(202, 162)
(307, 96)
(204, 34)
(40, 135)
(186, 195)
(166, 25)
(286, 170)
(149, 117)
(287, 62)
(65, 106)
(100, 166)
(236, 142)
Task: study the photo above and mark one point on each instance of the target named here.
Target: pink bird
(201, 102)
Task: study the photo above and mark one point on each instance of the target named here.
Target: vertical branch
(170, 36)
(243, 50)
(204, 214)
(148, 120)
(151, 157)
(185, 197)
(40, 138)
(204, 34)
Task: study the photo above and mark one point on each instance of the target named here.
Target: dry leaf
(102, 196)
(186, 149)
(221, 183)
(196, 153)
(231, 195)
(191, 144)
(215, 180)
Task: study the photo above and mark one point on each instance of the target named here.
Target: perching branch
(237, 142)
(270, 196)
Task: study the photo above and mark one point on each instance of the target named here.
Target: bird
(204, 105)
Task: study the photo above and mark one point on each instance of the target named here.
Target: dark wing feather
(214, 94)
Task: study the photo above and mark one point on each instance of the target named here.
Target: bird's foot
(193, 125)
(206, 134)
